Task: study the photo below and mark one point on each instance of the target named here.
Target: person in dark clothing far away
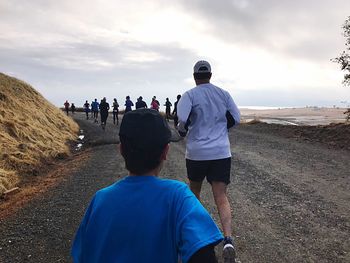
(128, 104)
(115, 111)
(92, 112)
(87, 109)
(104, 108)
(140, 104)
(206, 112)
(176, 119)
(72, 108)
(168, 220)
(167, 108)
(66, 107)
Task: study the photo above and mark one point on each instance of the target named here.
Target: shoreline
(295, 116)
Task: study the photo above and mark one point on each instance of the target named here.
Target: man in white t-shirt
(205, 114)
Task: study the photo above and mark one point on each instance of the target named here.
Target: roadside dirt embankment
(32, 131)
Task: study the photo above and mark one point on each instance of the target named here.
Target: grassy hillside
(32, 131)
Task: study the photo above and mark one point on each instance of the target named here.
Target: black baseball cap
(145, 128)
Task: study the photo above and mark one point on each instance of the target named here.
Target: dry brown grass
(253, 121)
(32, 131)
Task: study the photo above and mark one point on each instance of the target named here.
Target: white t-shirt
(206, 106)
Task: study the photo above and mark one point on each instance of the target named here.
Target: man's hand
(183, 129)
(182, 134)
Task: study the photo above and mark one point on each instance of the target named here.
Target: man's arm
(204, 254)
(233, 114)
(230, 120)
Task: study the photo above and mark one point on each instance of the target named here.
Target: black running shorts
(213, 170)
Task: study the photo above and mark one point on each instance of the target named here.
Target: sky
(272, 53)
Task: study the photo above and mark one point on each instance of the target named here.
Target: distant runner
(104, 108)
(92, 112)
(208, 111)
(176, 119)
(140, 104)
(95, 107)
(167, 108)
(115, 111)
(87, 109)
(72, 108)
(66, 107)
(128, 104)
(155, 104)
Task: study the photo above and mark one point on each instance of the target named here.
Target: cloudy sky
(264, 52)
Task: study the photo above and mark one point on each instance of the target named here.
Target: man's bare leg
(224, 208)
(196, 188)
(223, 205)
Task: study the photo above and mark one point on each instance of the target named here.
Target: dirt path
(291, 199)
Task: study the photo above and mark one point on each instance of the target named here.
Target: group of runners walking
(164, 220)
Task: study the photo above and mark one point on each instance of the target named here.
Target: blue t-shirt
(95, 105)
(144, 219)
(128, 105)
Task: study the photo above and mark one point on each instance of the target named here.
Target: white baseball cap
(202, 66)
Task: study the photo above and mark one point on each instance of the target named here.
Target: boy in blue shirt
(143, 218)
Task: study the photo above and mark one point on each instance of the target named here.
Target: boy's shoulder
(172, 182)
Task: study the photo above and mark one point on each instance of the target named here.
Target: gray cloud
(307, 29)
(68, 52)
(76, 71)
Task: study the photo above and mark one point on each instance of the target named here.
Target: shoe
(229, 253)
